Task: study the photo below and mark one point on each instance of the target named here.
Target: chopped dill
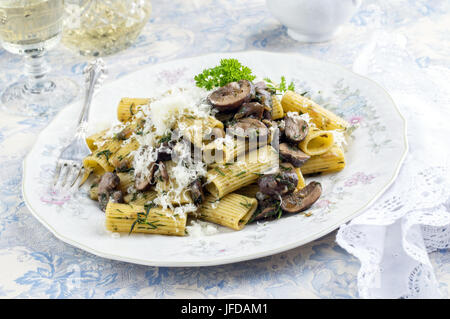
(149, 206)
(166, 138)
(125, 170)
(106, 153)
(246, 204)
(219, 171)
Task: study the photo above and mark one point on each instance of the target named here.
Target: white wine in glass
(30, 28)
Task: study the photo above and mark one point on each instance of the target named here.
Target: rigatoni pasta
(330, 162)
(140, 198)
(126, 218)
(215, 156)
(277, 109)
(128, 107)
(233, 210)
(317, 142)
(225, 179)
(321, 117)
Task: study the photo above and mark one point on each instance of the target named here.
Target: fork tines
(66, 174)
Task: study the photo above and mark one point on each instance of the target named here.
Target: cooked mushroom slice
(288, 176)
(164, 152)
(264, 97)
(224, 117)
(108, 183)
(117, 197)
(103, 199)
(265, 213)
(261, 196)
(124, 134)
(293, 154)
(303, 199)
(197, 192)
(249, 127)
(163, 172)
(281, 183)
(267, 208)
(263, 86)
(252, 109)
(142, 184)
(295, 128)
(232, 95)
(267, 115)
(122, 166)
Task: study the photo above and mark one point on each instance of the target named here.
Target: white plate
(373, 161)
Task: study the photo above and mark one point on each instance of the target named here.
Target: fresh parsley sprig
(229, 70)
(281, 87)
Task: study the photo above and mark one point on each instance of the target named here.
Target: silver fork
(69, 165)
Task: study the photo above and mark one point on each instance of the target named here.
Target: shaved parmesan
(201, 228)
(161, 117)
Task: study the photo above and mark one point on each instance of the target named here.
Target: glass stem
(36, 69)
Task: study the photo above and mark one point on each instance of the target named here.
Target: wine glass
(100, 28)
(29, 28)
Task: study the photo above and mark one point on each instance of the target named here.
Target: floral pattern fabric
(401, 44)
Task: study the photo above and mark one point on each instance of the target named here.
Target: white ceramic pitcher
(313, 20)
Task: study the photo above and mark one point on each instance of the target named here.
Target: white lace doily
(394, 237)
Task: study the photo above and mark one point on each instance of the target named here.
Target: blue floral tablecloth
(33, 263)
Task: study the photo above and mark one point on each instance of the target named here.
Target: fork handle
(94, 73)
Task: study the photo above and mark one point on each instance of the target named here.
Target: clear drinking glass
(30, 28)
(103, 27)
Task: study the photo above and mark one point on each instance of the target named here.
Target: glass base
(54, 95)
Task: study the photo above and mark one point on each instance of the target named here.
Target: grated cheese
(160, 118)
(201, 228)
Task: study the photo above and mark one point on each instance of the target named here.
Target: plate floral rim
(229, 260)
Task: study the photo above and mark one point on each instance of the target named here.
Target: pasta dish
(230, 150)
